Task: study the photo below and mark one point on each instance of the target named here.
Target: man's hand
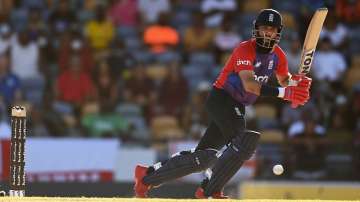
(300, 81)
(297, 95)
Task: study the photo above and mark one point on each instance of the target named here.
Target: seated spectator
(161, 37)
(140, 89)
(36, 24)
(106, 86)
(335, 31)
(294, 54)
(173, 92)
(5, 37)
(18, 15)
(309, 148)
(194, 117)
(348, 11)
(119, 58)
(100, 31)
(28, 67)
(107, 123)
(73, 85)
(329, 64)
(226, 39)
(62, 18)
(9, 83)
(124, 13)
(215, 10)
(73, 43)
(150, 10)
(198, 37)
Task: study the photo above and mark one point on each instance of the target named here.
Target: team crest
(271, 64)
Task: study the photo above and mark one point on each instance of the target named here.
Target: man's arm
(294, 94)
(283, 80)
(249, 82)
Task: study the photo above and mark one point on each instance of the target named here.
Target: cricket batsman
(242, 80)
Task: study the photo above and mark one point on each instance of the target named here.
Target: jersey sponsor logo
(271, 64)
(261, 79)
(242, 62)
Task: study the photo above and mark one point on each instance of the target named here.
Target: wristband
(267, 90)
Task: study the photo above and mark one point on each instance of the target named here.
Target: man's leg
(181, 164)
(241, 149)
(228, 115)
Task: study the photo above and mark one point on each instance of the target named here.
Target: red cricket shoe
(140, 188)
(199, 194)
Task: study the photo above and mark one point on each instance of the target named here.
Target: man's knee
(244, 145)
(202, 159)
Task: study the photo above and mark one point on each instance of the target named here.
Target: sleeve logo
(242, 62)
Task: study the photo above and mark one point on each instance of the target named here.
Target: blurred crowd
(140, 70)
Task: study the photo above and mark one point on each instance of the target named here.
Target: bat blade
(311, 40)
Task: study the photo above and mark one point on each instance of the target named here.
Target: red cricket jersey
(245, 57)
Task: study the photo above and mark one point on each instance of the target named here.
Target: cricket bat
(311, 40)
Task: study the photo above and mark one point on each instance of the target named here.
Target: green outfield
(58, 199)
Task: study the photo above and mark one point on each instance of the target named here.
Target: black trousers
(226, 120)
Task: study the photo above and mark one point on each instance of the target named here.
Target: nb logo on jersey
(261, 79)
(271, 17)
(257, 64)
(242, 62)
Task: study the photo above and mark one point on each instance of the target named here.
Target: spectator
(198, 37)
(119, 58)
(100, 31)
(195, 119)
(73, 43)
(150, 10)
(294, 54)
(140, 89)
(9, 83)
(73, 85)
(106, 86)
(329, 64)
(226, 39)
(173, 92)
(36, 24)
(124, 13)
(28, 68)
(161, 37)
(308, 145)
(348, 11)
(18, 16)
(5, 37)
(62, 18)
(216, 9)
(335, 31)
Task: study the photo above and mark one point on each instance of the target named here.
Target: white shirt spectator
(218, 5)
(328, 65)
(336, 36)
(5, 36)
(4, 45)
(227, 40)
(24, 60)
(150, 9)
(298, 127)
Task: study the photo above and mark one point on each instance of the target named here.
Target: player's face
(268, 31)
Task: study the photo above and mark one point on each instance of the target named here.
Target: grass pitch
(83, 199)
